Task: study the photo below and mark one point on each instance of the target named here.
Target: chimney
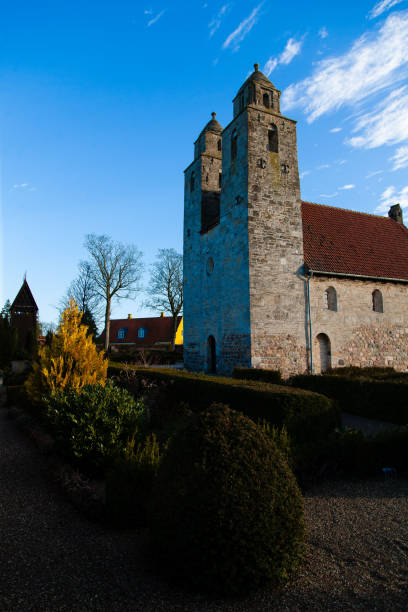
(395, 213)
(129, 316)
(162, 315)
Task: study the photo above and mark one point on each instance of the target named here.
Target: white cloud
(238, 35)
(400, 158)
(334, 130)
(152, 21)
(329, 195)
(375, 173)
(347, 187)
(293, 47)
(323, 166)
(304, 173)
(392, 196)
(386, 124)
(148, 12)
(217, 20)
(381, 7)
(23, 187)
(374, 62)
(323, 33)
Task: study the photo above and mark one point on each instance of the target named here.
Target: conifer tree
(71, 360)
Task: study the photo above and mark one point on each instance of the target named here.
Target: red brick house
(145, 332)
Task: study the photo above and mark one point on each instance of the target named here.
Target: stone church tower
(243, 247)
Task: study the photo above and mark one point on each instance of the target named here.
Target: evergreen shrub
(226, 513)
(305, 415)
(384, 399)
(268, 376)
(92, 427)
(129, 482)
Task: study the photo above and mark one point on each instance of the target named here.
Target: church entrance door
(211, 355)
(325, 352)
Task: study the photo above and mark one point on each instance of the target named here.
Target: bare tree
(166, 286)
(115, 269)
(84, 291)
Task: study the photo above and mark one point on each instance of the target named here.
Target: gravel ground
(51, 558)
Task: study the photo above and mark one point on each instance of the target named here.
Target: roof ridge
(356, 212)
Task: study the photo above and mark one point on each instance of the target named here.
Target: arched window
(266, 100)
(330, 298)
(192, 179)
(219, 144)
(141, 332)
(377, 301)
(273, 138)
(234, 145)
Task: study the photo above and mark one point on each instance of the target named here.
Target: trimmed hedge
(372, 372)
(306, 415)
(268, 376)
(226, 513)
(386, 400)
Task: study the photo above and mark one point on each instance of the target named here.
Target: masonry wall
(358, 335)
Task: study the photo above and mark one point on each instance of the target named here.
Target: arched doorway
(211, 355)
(325, 352)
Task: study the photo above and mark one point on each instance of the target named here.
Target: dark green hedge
(372, 372)
(268, 376)
(304, 414)
(386, 400)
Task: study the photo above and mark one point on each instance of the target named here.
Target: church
(271, 281)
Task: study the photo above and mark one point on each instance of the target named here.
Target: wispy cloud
(155, 19)
(381, 7)
(345, 187)
(335, 130)
(400, 158)
(148, 11)
(23, 187)
(375, 173)
(216, 21)
(323, 167)
(392, 196)
(304, 173)
(329, 195)
(293, 47)
(374, 62)
(323, 33)
(386, 124)
(237, 36)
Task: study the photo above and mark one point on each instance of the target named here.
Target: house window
(234, 145)
(141, 332)
(273, 138)
(330, 298)
(377, 301)
(192, 181)
(122, 333)
(266, 100)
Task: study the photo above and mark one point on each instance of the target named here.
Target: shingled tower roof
(24, 299)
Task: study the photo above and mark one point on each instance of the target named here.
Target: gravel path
(51, 558)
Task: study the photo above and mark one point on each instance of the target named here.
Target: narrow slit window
(273, 139)
(234, 146)
(192, 179)
(220, 180)
(266, 100)
(219, 144)
(330, 298)
(377, 301)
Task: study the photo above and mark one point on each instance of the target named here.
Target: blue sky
(101, 102)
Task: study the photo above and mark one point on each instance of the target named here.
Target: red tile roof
(157, 329)
(342, 241)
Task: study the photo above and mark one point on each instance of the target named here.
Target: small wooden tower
(24, 315)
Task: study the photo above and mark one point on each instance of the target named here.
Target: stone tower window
(219, 179)
(234, 145)
(266, 100)
(330, 298)
(273, 139)
(219, 144)
(272, 102)
(192, 179)
(377, 301)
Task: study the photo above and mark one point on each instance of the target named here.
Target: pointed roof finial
(256, 66)
(213, 115)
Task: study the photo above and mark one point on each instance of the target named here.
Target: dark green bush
(93, 426)
(386, 400)
(226, 513)
(267, 376)
(368, 372)
(305, 415)
(129, 483)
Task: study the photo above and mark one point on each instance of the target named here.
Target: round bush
(226, 512)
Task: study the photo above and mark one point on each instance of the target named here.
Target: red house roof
(156, 330)
(340, 241)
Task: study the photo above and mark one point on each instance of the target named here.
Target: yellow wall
(179, 333)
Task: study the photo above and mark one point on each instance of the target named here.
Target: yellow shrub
(70, 361)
